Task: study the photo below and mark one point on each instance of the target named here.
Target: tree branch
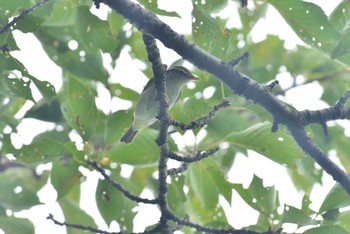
(120, 187)
(93, 230)
(337, 111)
(198, 123)
(160, 84)
(78, 226)
(239, 83)
(201, 228)
(180, 169)
(159, 76)
(199, 156)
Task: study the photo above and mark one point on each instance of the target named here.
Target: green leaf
(279, 147)
(46, 112)
(263, 199)
(340, 17)
(93, 32)
(116, 123)
(12, 225)
(138, 49)
(176, 195)
(125, 93)
(33, 20)
(309, 22)
(342, 46)
(12, 7)
(226, 158)
(336, 198)
(294, 215)
(344, 220)
(2, 211)
(45, 88)
(30, 24)
(113, 205)
(7, 39)
(88, 66)
(80, 62)
(216, 130)
(43, 147)
(153, 6)
(21, 186)
(140, 178)
(208, 182)
(210, 6)
(305, 205)
(44, 10)
(204, 215)
(64, 175)
(192, 109)
(63, 14)
(20, 88)
(116, 23)
(260, 112)
(78, 106)
(143, 150)
(266, 57)
(338, 141)
(305, 175)
(249, 18)
(327, 230)
(74, 214)
(10, 109)
(311, 63)
(204, 28)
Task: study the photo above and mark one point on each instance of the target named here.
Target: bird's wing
(149, 83)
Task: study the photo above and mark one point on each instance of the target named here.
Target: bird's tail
(128, 136)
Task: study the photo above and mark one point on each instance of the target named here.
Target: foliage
(244, 126)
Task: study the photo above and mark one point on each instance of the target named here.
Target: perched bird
(147, 107)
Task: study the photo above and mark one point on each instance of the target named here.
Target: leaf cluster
(244, 126)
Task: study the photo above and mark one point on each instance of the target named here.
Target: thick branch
(160, 84)
(239, 83)
(312, 149)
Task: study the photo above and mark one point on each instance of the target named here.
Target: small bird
(147, 107)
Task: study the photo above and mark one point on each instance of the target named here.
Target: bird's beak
(194, 78)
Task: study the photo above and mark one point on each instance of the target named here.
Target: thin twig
(320, 78)
(198, 157)
(198, 123)
(180, 169)
(234, 62)
(201, 228)
(80, 227)
(120, 188)
(21, 16)
(272, 85)
(94, 230)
